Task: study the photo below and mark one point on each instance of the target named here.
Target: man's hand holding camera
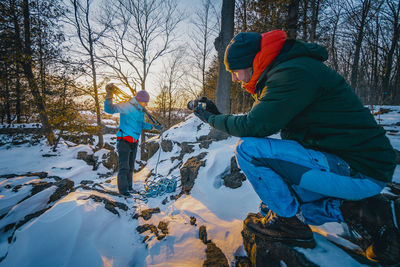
(109, 91)
(203, 108)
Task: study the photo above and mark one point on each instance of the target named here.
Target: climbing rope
(159, 187)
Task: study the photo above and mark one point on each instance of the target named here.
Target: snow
(77, 231)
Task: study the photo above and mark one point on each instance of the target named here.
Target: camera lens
(191, 105)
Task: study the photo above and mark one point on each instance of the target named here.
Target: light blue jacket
(131, 117)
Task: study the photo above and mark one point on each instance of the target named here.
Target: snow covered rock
(235, 177)
(190, 170)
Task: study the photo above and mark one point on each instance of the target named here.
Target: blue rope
(160, 187)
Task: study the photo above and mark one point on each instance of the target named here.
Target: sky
(184, 29)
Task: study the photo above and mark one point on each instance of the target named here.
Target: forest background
(56, 56)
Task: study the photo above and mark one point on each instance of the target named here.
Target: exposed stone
(166, 145)
(8, 176)
(186, 148)
(215, 135)
(205, 144)
(85, 182)
(165, 201)
(190, 170)
(39, 186)
(215, 257)
(261, 251)
(109, 192)
(161, 236)
(63, 188)
(110, 160)
(41, 175)
(145, 227)
(84, 139)
(193, 220)
(235, 178)
(16, 188)
(146, 214)
(108, 146)
(49, 155)
(163, 226)
(110, 205)
(203, 234)
(145, 238)
(148, 149)
(89, 159)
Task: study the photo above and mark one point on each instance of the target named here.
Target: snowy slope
(77, 230)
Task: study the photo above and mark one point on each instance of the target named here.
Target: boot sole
(304, 243)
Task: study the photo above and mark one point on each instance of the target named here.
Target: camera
(193, 104)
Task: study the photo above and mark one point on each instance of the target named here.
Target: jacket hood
(302, 49)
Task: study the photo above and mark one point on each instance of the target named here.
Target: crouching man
(333, 159)
(132, 123)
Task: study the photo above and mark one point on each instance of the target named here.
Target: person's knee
(249, 148)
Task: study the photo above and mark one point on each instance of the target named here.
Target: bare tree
(170, 82)
(143, 31)
(359, 13)
(88, 37)
(393, 17)
(24, 49)
(205, 24)
(221, 42)
(315, 6)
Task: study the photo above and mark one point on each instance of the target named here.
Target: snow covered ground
(77, 230)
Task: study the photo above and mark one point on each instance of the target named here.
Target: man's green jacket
(307, 101)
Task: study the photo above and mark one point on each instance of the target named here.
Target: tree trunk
(314, 19)
(221, 42)
(27, 67)
(293, 13)
(389, 57)
(358, 44)
(7, 99)
(100, 144)
(305, 18)
(18, 98)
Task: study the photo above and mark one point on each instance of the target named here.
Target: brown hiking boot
(376, 220)
(280, 229)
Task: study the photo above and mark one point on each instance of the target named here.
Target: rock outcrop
(189, 172)
(266, 253)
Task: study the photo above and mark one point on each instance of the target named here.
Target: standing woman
(130, 128)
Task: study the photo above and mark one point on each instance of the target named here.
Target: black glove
(158, 127)
(203, 114)
(210, 106)
(109, 91)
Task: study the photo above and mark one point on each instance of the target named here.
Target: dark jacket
(307, 101)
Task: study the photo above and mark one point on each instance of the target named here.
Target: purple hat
(142, 96)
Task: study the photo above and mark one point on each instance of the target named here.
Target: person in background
(132, 123)
(333, 159)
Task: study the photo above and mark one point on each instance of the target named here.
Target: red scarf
(271, 45)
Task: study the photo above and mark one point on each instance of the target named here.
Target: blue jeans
(126, 161)
(289, 178)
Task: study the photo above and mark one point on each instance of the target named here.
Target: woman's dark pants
(126, 161)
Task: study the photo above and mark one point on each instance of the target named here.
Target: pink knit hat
(142, 96)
